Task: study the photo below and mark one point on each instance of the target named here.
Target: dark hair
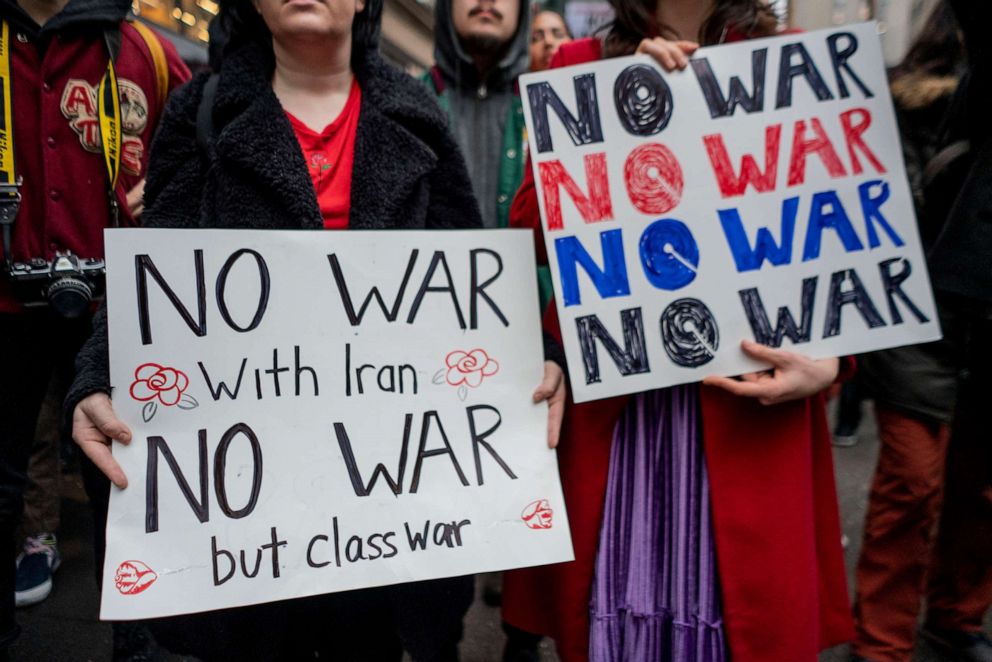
(547, 10)
(635, 19)
(937, 49)
(241, 25)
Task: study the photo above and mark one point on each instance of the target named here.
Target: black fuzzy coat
(961, 260)
(408, 173)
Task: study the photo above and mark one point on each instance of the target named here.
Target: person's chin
(307, 30)
(483, 41)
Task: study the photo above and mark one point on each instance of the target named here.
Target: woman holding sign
(704, 517)
(305, 127)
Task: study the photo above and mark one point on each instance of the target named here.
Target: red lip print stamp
(538, 514)
(133, 577)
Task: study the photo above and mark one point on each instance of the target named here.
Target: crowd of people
(299, 123)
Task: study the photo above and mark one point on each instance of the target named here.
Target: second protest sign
(759, 194)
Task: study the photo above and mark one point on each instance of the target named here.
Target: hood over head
(457, 67)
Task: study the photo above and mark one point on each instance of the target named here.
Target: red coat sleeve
(524, 211)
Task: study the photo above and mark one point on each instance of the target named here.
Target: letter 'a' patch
(79, 106)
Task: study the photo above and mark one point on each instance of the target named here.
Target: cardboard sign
(758, 194)
(323, 411)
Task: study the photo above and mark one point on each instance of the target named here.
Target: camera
(67, 283)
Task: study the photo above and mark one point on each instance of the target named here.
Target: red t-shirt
(329, 156)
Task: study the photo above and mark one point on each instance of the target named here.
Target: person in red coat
(781, 588)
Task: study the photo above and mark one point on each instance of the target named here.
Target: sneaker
(960, 645)
(35, 566)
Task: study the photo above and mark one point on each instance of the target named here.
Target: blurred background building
(898, 20)
(407, 29)
(407, 25)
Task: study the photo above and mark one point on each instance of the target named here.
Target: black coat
(408, 173)
(961, 261)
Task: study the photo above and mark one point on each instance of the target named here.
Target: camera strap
(108, 107)
(10, 186)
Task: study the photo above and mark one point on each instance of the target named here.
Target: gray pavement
(66, 627)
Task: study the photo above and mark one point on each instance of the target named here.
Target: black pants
(377, 624)
(963, 551)
(32, 346)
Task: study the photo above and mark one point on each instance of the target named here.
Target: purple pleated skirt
(655, 595)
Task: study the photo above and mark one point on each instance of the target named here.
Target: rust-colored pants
(903, 557)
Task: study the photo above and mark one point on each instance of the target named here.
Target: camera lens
(69, 297)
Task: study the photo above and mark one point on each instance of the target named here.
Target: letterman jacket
(55, 74)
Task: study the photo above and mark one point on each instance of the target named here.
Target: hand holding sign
(552, 390)
(671, 55)
(793, 376)
(94, 427)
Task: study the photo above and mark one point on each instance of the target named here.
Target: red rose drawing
(154, 381)
(538, 514)
(469, 368)
(133, 577)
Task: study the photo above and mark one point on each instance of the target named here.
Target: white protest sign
(758, 194)
(323, 411)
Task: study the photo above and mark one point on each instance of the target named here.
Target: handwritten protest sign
(322, 411)
(758, 194)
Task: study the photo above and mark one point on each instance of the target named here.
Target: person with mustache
(480, 48)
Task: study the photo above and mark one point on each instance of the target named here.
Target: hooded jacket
(485, 111)
(55, 72)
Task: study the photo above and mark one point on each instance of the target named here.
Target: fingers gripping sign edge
(94, 425)
(552, 390)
